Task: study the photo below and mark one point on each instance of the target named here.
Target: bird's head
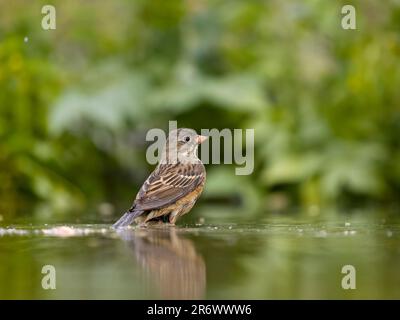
(182, 146)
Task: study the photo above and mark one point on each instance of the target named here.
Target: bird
(174, 186)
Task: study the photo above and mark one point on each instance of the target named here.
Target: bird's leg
(173, 216)
(142, 225)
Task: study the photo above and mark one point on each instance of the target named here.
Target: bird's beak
(201, 139)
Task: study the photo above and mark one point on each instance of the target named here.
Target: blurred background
(76, 103)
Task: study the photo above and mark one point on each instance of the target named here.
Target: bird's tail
(127, 218)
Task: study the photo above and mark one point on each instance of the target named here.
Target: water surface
(276, 258)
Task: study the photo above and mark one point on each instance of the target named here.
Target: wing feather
(167, 184)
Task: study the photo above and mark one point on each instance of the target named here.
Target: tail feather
(127, 218)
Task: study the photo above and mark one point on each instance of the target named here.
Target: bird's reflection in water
(170, 262)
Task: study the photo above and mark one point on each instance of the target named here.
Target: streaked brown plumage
(174, 186)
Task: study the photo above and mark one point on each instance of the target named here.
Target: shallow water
(276, 258)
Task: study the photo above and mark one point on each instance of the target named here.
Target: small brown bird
(173, 187)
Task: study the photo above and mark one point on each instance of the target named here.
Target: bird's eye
(187, 139)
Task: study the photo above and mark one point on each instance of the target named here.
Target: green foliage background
(76, 102)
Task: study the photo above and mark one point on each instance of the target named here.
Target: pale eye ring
(186, 139)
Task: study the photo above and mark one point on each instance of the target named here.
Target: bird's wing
(167, 184)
